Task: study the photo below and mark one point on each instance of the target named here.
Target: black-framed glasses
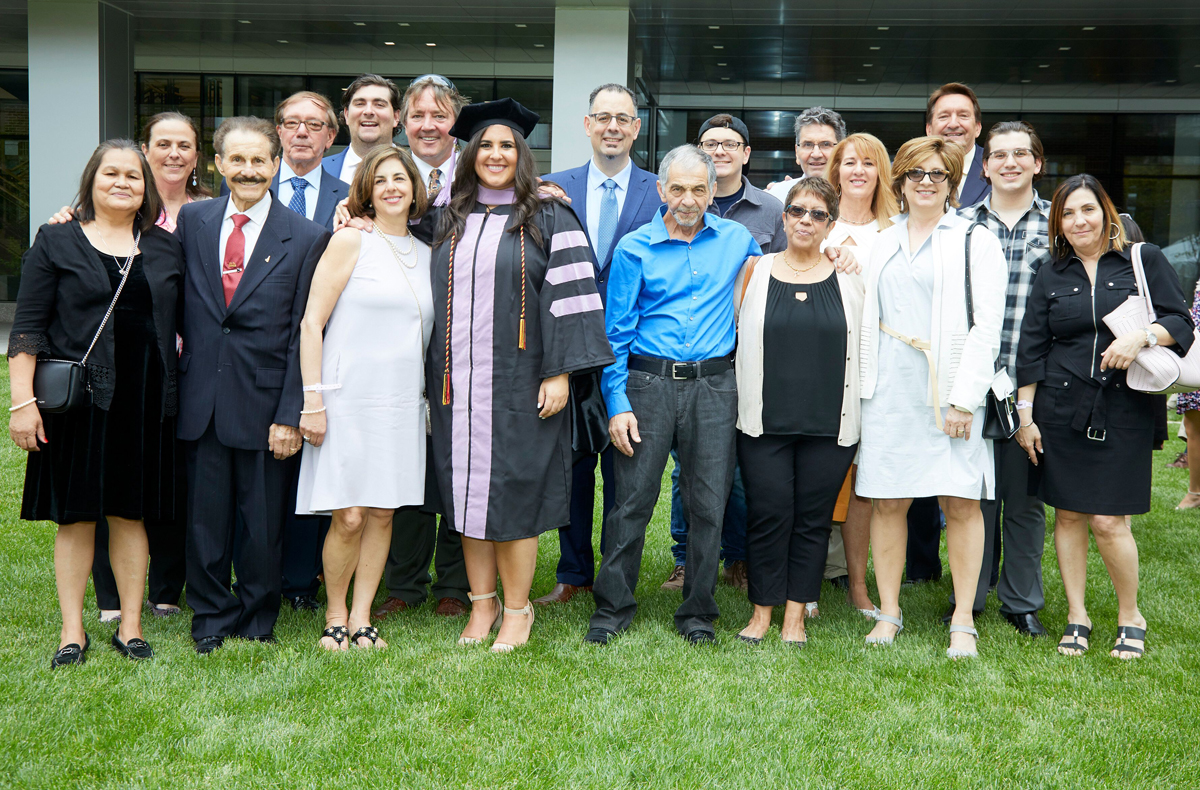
(1017, 153)
(314, 126)
(436, 78)
(799, 212)
(916, 175)
(605, 118)
(731, 146)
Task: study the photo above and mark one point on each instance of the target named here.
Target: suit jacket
(333, 164)
(975, 189)
(641, 204)
(333, 190)
(240, 366)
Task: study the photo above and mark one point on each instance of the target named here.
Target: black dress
(120, 462)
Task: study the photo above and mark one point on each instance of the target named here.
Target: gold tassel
(445, 389)
(521, 342)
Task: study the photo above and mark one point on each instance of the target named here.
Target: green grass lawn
(646, 711)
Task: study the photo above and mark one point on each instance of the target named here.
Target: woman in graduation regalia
(516, 312)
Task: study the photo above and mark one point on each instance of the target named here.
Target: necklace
(848, 221)
(788, 264)
(400, 255)
(122, 268)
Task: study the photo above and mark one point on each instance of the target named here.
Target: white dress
(374, 449)
(902, 453)
(864, 237)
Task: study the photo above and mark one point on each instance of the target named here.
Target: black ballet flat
(71, 654)
(135, 649)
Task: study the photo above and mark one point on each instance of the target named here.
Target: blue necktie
(608, 221)
(298, 205)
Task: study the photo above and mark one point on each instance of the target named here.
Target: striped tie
(298, 205)
(608, 221)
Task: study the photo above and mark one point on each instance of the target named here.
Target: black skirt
(121, 462)
(1108, 477)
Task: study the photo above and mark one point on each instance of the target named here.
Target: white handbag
(1156, 369)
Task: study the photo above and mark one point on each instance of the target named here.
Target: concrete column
(591, 47)
(80, 92)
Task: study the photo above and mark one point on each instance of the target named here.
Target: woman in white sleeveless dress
(364, 411)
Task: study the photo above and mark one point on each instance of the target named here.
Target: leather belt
(925, 348)
(679, 371)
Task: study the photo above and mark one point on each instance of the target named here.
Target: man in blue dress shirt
(669, 316)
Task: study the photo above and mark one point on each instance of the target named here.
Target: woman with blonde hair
(927, 367)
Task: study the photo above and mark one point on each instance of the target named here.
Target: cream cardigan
(751, 312)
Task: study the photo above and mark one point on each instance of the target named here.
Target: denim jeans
(698, 415)
(733, 534)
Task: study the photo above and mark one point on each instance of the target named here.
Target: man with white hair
(670, 322)
(818, 130)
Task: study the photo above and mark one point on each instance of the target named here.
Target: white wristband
(1024, 404)
(321, 387)
(312, 411)
(22, 405)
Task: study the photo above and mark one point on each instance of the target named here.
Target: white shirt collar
(596, 177)
(446, 168)
(257, 213)
(351, 157)
(313, 177)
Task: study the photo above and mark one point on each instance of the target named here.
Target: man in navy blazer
(952, 112)
(611, 196)
(371, 110)
(249, 262)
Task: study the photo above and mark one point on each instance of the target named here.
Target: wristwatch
(1151, 339)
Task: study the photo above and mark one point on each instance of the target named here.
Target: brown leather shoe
(735, 574)
(561, 594)
(388, 607)
(450, 607)
(675, 580)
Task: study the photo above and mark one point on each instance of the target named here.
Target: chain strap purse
(62, 385)
(1000, 419)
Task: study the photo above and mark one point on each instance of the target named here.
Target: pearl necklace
(400, 255)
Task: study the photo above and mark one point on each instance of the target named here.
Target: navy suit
(975, 188)
(577, 561)
(239, 373)
(333, 164)
(333, 191)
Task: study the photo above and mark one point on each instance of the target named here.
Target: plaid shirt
(1026, 247)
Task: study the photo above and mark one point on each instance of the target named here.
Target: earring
(1060, 243)
(1117, 229)
(193, 176)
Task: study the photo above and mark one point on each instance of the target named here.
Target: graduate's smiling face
(496, 162)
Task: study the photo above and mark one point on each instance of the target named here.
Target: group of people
(290, 382)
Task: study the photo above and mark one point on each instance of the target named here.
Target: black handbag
(1000, 420)
(61, 385)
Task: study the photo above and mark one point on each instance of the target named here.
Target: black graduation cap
(506, 112)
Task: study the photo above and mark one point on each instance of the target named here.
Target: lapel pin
(268, 260)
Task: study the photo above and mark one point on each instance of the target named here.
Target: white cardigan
(965, 361)
(748, 363)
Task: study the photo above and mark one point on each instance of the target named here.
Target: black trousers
(577, 559)
(792, 485)
(416, 536)
(252, 484)
(922, 561)
(168, 565)
(303, 542)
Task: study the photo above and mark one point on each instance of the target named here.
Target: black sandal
(1125, 632)
(368, 632)
(71, 654)
(1075, 631)
(337, 633)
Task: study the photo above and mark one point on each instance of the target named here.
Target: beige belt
(925, 348)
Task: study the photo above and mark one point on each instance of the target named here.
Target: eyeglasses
(435, 78)
(729, 145)
(824, 145)
(292, 124)
(1017, 153)
(798, 212)
(916, 175)
(605, 118)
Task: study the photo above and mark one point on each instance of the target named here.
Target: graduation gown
(504, 473)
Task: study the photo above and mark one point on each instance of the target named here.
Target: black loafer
(304, 603)
(71, 654)
(841, 582)
(135, 649)
(599, 636)
(208, 644)
(1027, 623)
(701, 637)
(949, 615)
(266, 639)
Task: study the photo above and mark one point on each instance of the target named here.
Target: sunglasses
(435, 78)
(916, 175)
(799, 212)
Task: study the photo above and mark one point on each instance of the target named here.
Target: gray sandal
(952, 652)
(887, 618)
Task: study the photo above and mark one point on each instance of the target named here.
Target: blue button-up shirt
(672, 299)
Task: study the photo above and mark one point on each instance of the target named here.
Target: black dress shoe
(949, 615)
(701, 637)
(135, 649)
(841, 582)
(71, 654)
(911, 580)
(304, 603)
(208, 644)
(1027, 623)
(599, 636)
(266, 639)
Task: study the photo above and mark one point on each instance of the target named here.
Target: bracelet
(1024, 404)
(312, 411)
(23, 405)
(318, 387)
(1026, 424)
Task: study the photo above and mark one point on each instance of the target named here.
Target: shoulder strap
(137, 237)
(751, 262)
(1139, 275)
(967, 267)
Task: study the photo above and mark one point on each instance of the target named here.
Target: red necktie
(235, 258)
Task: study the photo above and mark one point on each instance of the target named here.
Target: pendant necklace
(788, 264)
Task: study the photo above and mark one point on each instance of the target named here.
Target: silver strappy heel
(963, 629)
(887, 618)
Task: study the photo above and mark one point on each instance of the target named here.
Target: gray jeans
(699, 415)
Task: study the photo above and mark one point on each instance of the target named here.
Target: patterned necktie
(235, 257)
(608, 221)
(435, 183)
(298, 205)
